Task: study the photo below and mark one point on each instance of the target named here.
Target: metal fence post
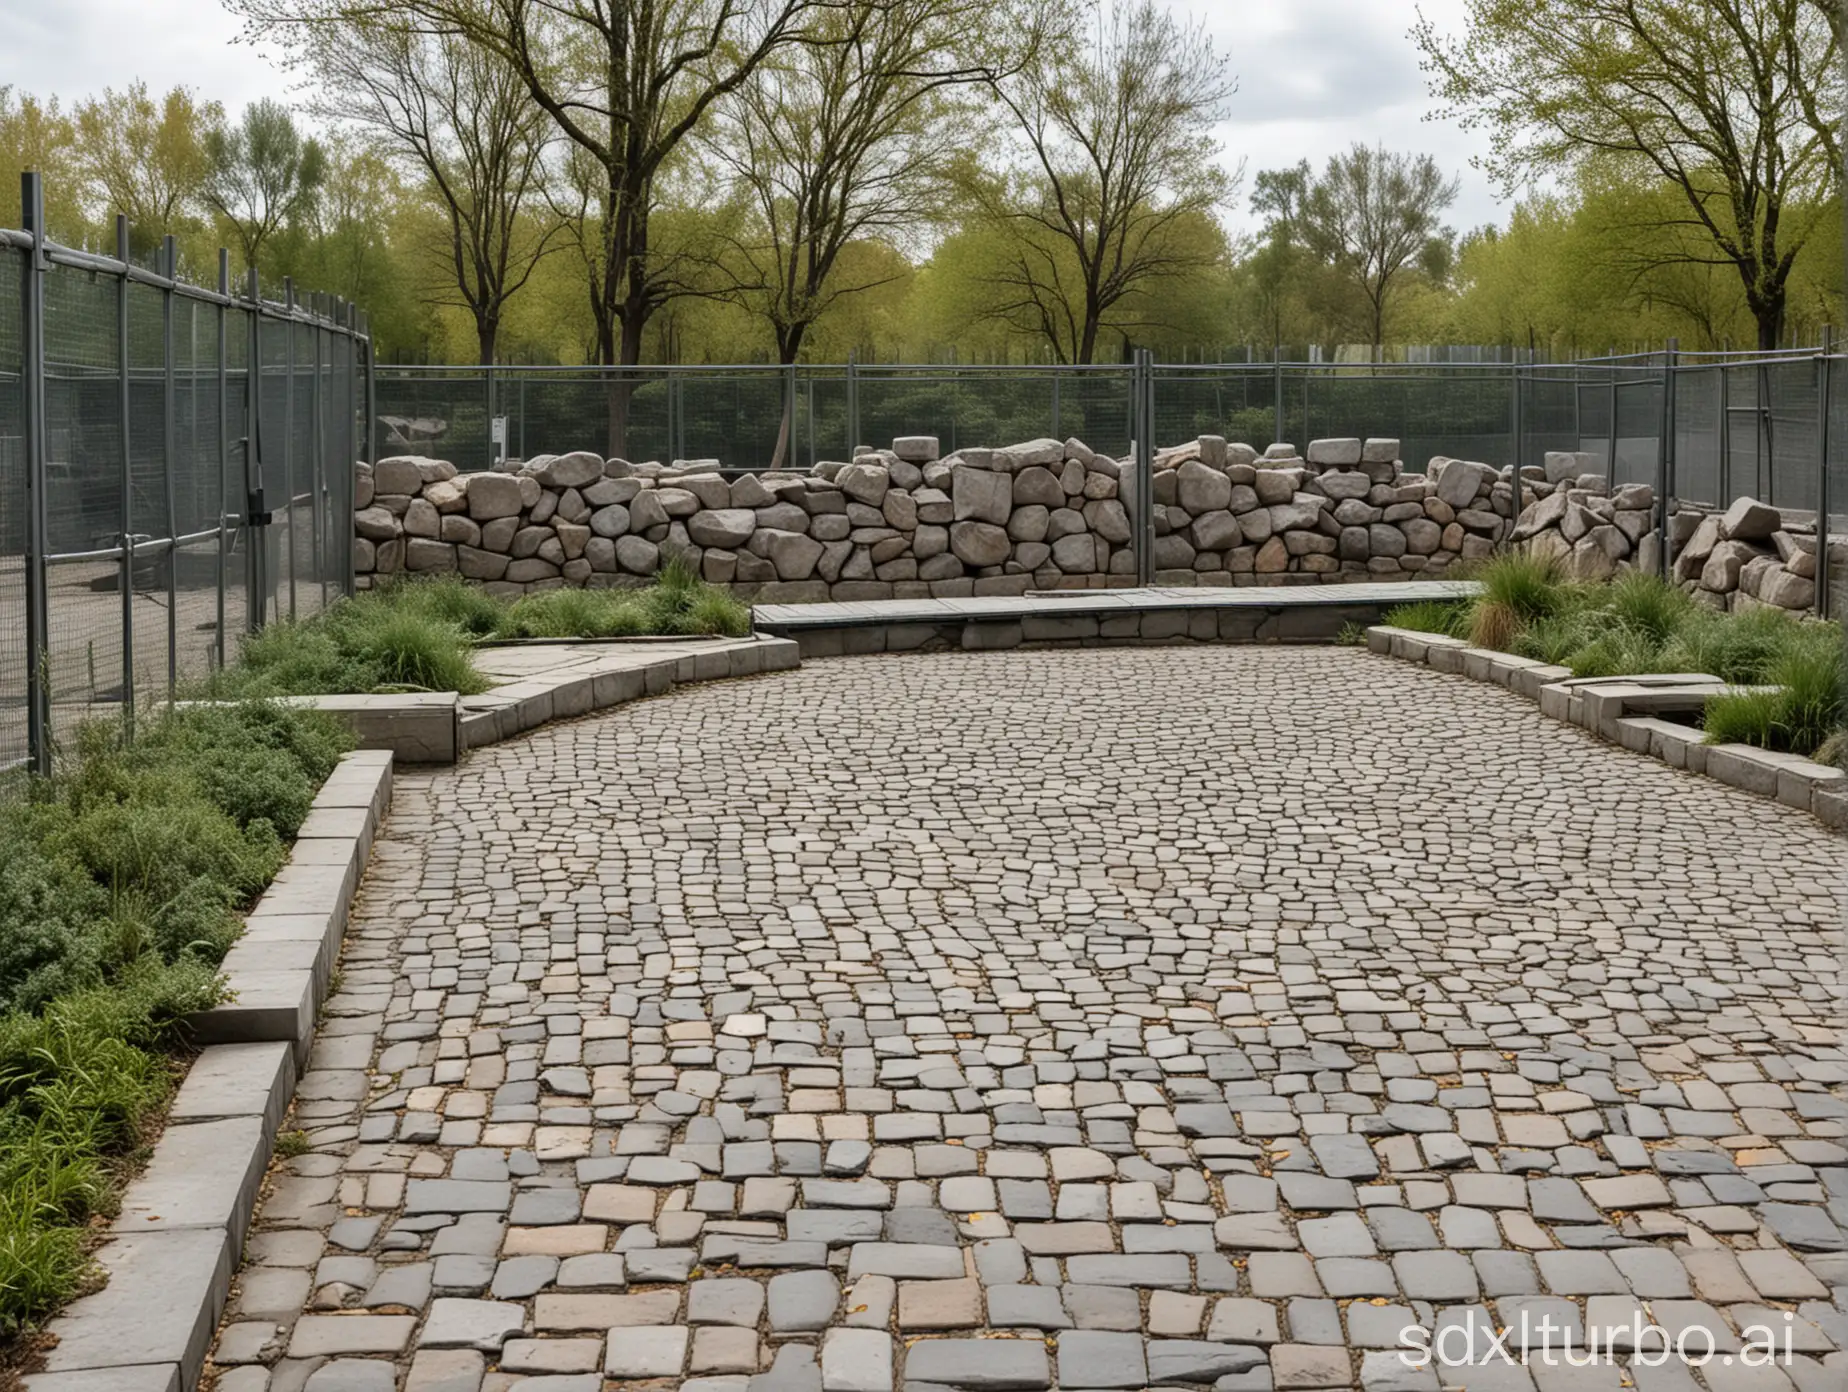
(255, 508)
(170, 264)
(1824, 376)
(288, 436)
(1516, 426)
(317, 472)
(1144, 388)
(32, 394)
(1277, 387)
(1665, 457)
(128, 487)
(224, 445)
(487, 373)
(1610, 464)
(853, 400)
(1056, 431)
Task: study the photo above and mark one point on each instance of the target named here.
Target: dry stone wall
(909, 523)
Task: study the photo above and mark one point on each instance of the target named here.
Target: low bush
(120, 880)
(418, 634)
(1640, 623)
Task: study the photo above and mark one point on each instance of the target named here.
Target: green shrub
(404, 649)
(574, 614)
(1803, 706)
(1446, 616)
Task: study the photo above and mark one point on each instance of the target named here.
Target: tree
(1733, 103)
(264, 174)
(1371, 216)
(144, 160)
(625, 82)
(1116, 154)
(841, 139)
(37, 136)
(462, 122)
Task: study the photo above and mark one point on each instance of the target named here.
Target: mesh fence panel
(145, 413)
(1836, 529)
(83, 493)
(12, 518)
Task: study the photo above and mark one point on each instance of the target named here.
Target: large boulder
(570, 470)
(979, 543)
(493, 495)
(1107, 517)
(727, 527)
(1075, 554)
(865, 482)
(375, 524)
(981, 495)
(397, 475)
(794, 555)
(1341, 484)
(1721, 572)
(637, 556)
(1201, 488)
(1038, 484)
(1460, 480)
(1749, 520)
(916, 449)
(1338, 454)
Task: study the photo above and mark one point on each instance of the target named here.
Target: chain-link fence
(1702, 429)
(157, 497)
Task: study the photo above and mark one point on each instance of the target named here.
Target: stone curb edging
(176, 1244)
(1602, 706)
(520, 706)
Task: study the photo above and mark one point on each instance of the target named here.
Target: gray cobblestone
(726, 1041)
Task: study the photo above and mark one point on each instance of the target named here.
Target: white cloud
(1315, 76)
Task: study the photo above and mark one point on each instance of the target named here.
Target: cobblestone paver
(1108, 1019)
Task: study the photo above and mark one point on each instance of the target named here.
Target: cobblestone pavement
(1106, 1019)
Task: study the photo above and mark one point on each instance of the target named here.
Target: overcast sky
(1313, 75)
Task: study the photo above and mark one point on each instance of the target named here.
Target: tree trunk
(486, 332)
(622, 384)
(1770, 318)
(788, 345)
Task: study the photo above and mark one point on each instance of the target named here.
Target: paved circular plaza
(1182, 1017)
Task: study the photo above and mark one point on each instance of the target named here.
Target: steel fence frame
(1652, 417)
(181, 499)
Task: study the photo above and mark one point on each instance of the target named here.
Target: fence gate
(176, 468)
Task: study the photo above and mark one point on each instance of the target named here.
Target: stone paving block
(641, 1031)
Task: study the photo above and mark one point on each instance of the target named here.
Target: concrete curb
(520, 706)
(1097, 618)
(1624, 711)
(279, 970)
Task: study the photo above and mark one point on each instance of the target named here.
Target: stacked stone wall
(907, 522)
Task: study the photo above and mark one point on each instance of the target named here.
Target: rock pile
(1575, 517)
(906, 522)
(1749, 554)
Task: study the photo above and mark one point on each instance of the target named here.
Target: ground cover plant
(1639, 623)
(418, 634)
(121, 878)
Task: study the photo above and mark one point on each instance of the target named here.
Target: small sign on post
(497, 439)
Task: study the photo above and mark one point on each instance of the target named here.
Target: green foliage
(120, 876)
(1446, 616)
(1802, 706)
(80, 1084)
(1640, 623)
(418, 635)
